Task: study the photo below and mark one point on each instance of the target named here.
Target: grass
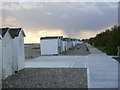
(117, 58)
(105, 50)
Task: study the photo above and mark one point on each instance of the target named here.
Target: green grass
(117, 58)
(105, 50)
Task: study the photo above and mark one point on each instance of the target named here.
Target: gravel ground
(32, 51)
(80, 49)
(48, 78)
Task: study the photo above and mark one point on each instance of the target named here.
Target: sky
(69, 19)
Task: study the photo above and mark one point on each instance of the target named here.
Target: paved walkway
(79, 50)
(102, 70)
(57, 62)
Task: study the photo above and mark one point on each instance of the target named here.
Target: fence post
(118, 53)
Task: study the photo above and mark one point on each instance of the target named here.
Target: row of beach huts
(12, 56)
(57, 45)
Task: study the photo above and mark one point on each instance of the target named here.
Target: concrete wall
(7, 55)
(49, 46)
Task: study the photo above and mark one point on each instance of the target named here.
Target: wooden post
(118, 53)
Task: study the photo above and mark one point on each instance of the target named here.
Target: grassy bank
(105, 50)
(117, 58)
(107, 41)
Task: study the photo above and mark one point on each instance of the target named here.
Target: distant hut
(18, 35)
(74, 42)
(51, 45)
(64, 44)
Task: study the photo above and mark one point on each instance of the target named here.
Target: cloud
(18, 6)
(48, 13)
(10, 19)
(65, 16)
(86, 34)
(69, 19)
(41, 33)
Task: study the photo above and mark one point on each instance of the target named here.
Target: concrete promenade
(102, 70)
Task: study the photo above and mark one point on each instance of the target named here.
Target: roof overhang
(54, 37)
(0, 37)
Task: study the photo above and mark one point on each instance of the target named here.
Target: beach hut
(68, 43)
(74, 42)
(64, 44)
(6, 53)
(0, 60)
(79, 41)
(17, 35)
(51, 45)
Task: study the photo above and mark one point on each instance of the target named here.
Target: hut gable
(14, 32)
(3, 31)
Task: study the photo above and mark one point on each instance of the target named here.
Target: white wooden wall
(64, 45)
(18, 53)
(61, 45)
(7, 55)
(49, 46)
(74, 43)
(68, 45)
(15, 54)
(21, 53)
(0, 63)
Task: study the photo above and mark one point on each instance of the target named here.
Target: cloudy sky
(75, 19)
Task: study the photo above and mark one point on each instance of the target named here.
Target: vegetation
(117, 58)
(107, 41)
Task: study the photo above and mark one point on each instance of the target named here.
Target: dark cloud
(70, 17)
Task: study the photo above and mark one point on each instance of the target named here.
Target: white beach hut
(64, 44)
(0, 60)
(79, 41)
(18, 35)
(69, 43)
(51, 45)
(6, 53)
(74, 42)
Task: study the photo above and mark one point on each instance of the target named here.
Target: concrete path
(102, 70)
(57, 62)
